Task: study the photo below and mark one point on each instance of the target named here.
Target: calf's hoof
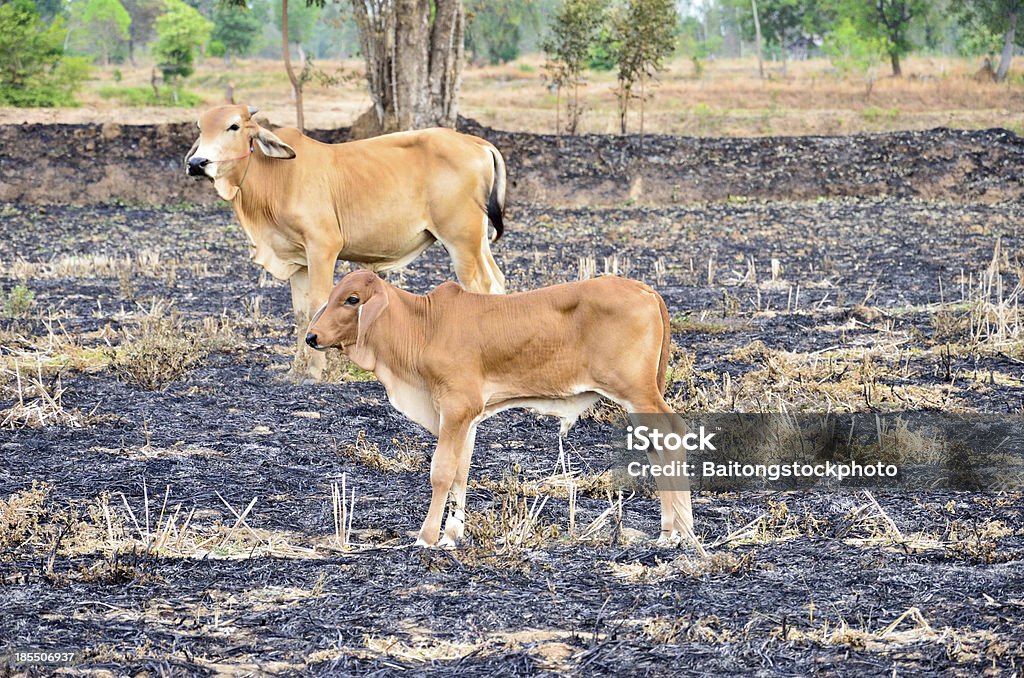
(446, 542)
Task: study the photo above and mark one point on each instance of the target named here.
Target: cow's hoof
(421, 543)
(446, 542)
(668, 541)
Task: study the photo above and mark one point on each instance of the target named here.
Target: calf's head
(227, 137)
(354, 305)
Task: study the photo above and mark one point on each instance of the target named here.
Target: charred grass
(170, 501)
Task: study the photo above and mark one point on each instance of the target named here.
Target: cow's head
(227, 137)
(345, 320)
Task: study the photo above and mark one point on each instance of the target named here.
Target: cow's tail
(666, 343)
(496, 198)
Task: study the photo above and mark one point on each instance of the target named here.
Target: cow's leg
(307, 364)
(452, 443)
(455, 525)
(310, 289)
(465, 238)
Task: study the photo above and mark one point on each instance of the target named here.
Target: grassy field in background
(728, 99)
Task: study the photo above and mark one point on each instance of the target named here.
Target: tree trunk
(414, 54)
(894, 59)
(757, 36)
(296, 85)
(1004, 60)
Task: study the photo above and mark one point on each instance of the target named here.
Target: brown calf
(451, 359)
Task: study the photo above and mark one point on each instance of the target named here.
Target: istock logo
(645, 438)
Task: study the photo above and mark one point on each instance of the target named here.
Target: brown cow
(378, 202)
(451, 359)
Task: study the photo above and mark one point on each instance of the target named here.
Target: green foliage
(33, 68)
(643, 35)
(180, 31)
(888, 20)
(573, 30)
(236, 28)
(495, 28)
(603, 51)
(18, 302)
(301, 20)
(783, 20)
(144, 95)
(852, 53)
(695, 43)
(144, 14)
(978, 40)
(103, 26)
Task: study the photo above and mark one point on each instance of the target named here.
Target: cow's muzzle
(311, 341)
(197, 166)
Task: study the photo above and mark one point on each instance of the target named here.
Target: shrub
(162, 352)
(34, 70)
(18, 302)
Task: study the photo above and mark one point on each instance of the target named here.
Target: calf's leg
(455, 524)
(454, 434)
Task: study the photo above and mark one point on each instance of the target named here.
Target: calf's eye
(233, 128)
(352, 301)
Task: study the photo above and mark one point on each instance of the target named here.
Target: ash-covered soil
(100, 559)
(142, 164)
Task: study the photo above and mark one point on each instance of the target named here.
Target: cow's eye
(352, 301)
(233, 128)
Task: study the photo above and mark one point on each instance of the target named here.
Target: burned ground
(146, 405)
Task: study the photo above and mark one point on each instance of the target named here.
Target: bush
(34, 70)
(216, 48)
(18, 302)
(161, 353)
(145, 96)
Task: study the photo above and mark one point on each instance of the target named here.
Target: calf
(451, 359)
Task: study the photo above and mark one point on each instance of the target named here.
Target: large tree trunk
(1011, 35)
(414, 53)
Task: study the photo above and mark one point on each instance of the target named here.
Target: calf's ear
(368, 313)
(272, 146)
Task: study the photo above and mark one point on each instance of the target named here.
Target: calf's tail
(666, 343)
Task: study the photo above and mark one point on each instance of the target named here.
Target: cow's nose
(196, 165)
(311, 340)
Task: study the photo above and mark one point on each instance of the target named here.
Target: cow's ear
(368, 313)
(191, 152)
(272, 146)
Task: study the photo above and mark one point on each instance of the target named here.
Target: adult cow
(378, 202)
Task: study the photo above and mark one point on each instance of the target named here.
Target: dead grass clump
(40, 403)
(977, 543)
(515, 525)
(404, 458)
(909, 629)
(716, 562)
(688, 628)
(778, 524)
(21, 514)
(160, 353)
